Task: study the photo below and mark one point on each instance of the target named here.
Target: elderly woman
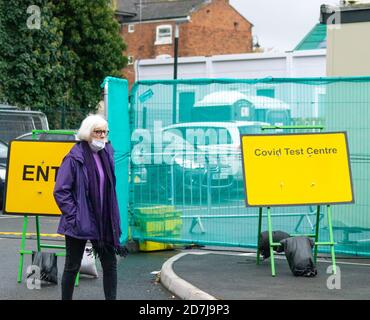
(85, 193)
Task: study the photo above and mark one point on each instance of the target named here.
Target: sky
(280, 25)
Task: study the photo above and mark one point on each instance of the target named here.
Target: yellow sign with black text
(296, 169)
(31, 174)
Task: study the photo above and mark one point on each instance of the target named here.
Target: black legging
(74, 253)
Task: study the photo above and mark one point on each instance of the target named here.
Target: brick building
(206, 28)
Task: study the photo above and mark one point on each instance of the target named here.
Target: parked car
(3, 160)
(197, 158)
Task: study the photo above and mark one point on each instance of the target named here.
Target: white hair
(89, 124)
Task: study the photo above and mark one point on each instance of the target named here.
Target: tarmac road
(135, 278)
(221, 273)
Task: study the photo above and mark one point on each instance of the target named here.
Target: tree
(92, 34)
(60, 65)
(31, 60)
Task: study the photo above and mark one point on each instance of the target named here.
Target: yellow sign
(296, 169)
(31, 173)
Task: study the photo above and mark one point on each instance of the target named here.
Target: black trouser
(74, 253)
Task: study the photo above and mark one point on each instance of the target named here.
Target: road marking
(350, 263)
(51, 235)
(280, 256)
(10, 217)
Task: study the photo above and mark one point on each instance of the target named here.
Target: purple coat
(71, 194)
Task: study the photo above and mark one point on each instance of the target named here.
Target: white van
(14, 123)
(214, 144)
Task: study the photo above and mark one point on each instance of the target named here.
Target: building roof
(126, 8)
(315, 39)
(345, 14)
(130, 11)
(227, 98)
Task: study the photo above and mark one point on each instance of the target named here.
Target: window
(131, 28)
(130, 60)
(164, 34)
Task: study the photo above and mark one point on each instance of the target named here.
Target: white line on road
(10, 217)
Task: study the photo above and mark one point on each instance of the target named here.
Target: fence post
(209, 193)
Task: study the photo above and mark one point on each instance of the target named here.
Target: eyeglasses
(100, 132)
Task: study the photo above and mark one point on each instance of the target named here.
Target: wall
(310, 63)
(215, 29)
(348, 49)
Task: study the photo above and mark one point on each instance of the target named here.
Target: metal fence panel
(186, 178)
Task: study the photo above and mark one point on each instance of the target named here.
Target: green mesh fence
(186, 176)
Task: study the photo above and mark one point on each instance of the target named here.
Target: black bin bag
(46, 263)
(298, 251)
(264, 245)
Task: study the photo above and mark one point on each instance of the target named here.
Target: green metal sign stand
(40, 245)
(313, 235)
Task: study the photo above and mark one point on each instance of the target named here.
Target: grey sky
(281, 24)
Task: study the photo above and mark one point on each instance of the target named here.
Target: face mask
(97, 145)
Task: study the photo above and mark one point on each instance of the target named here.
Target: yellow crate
(158, 216)
(164, 225)
(173, 224)
(155, 210)
(175, 233)
(154, 246)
